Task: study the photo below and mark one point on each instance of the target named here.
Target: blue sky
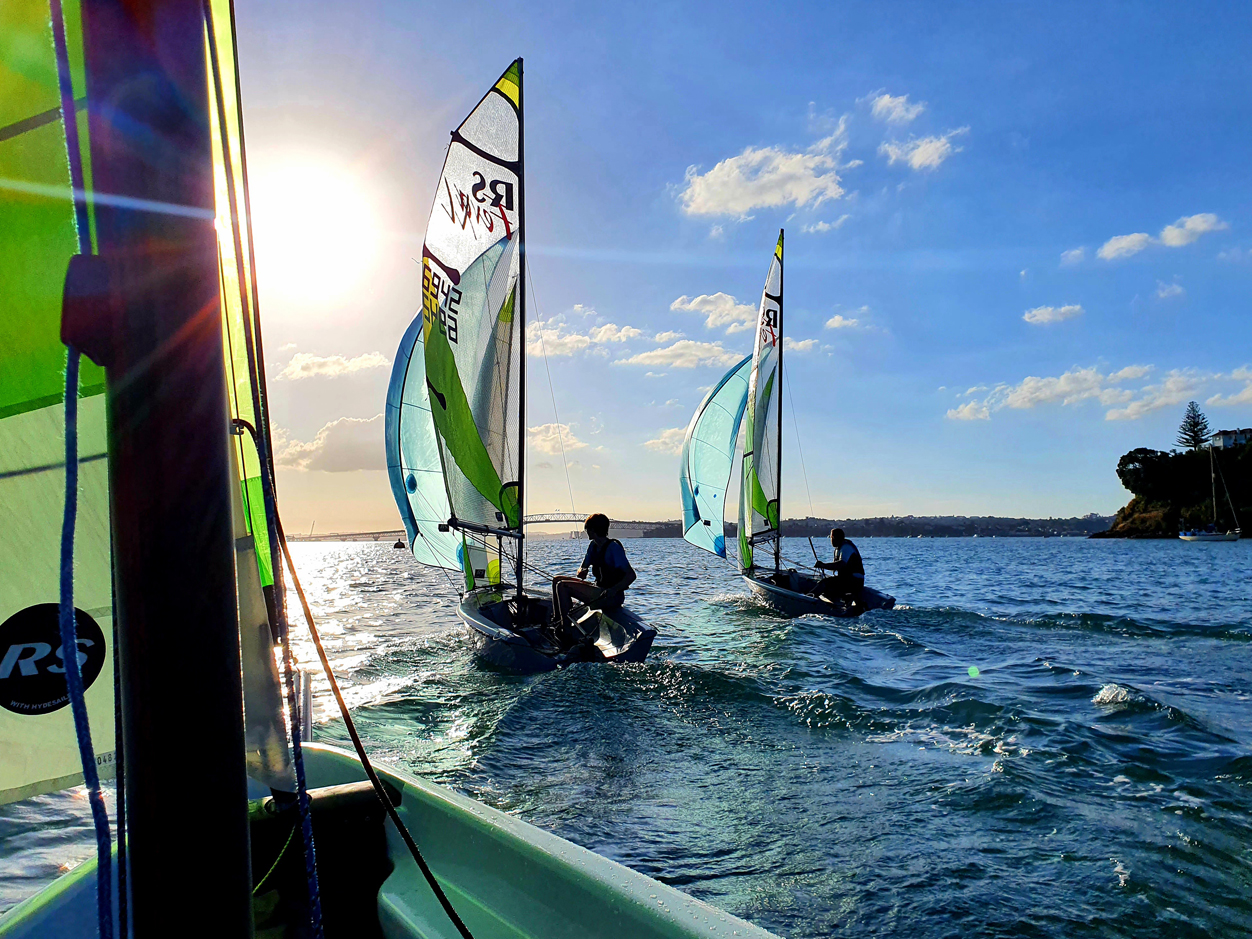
(1017, 236)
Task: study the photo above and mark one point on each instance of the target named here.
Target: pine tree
(1193, 432)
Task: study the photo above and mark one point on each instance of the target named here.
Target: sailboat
(455, 424)
(138, 504)
(1210, 533)
(752, 388)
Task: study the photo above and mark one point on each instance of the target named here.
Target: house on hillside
(1225, 439)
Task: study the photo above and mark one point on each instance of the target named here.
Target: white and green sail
(759, 482)
(464, 396)
(708, 458)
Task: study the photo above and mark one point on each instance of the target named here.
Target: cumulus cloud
(798, 345)
(1190, 227)
(1243, 396)
(719, 309)
(925, 153)
(668, 441)
(767, 177)
(548, 438)
(839, 321)
(1073, 256)
(686, 353)
(1183, 232)
(897, 110)
(305, 365)
(554, 338)
(1165, 291)
(1052, 314)
(1123, 246)
(820, 228)
(1080, 385)
(341, 446)
(668, 336)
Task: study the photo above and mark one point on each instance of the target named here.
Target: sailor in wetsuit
(606, 561)
(848, 573)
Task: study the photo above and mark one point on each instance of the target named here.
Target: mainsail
(468, 384)
(760, 482)
(708, 458)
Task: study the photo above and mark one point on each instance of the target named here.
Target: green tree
(1193, 432)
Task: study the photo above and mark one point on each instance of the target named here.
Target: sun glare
(316, 232)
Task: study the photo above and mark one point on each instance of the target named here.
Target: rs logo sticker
(32, 659)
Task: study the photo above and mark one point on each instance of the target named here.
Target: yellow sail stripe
(509, 85)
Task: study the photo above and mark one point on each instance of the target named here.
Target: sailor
(606, 561)
(847, 572)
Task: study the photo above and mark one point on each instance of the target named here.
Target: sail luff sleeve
(708, 459)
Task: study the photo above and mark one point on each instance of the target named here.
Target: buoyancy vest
(853, 565)
(606, 575)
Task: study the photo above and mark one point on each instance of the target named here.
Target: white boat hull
(1209, 536)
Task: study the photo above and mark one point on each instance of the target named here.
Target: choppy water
(819, 777)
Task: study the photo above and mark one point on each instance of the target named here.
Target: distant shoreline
(907, 526)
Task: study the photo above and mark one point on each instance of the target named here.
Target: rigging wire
(66, 612)
(530, 280)
(796, 427)
(360, 748)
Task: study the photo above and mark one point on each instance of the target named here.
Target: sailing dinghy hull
(505, 878)
(793, 599)
(490, 619)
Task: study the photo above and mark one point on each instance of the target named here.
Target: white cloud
(1165, 291)
(341, 446)
(547, 438)
(686, 353)
(767, 177)
(1073, 256)
(1079, 385)
(287, 348)
(717, 231)
(1190, 227)
(304, 365)
(581, 310)
(654, 374)
(1183, 232)
(719, 309)
(553, 337)
(1234, 254)
(896, 110)
(1178, 387)
(610, 332)
(1052, 314)
(926, 153)
(1130, 373)
(1123, 246)
(820, 228)
(668, 441)
(970, 411)
(798, 345)
(839, 321)
(1243, 396)
(668, 336)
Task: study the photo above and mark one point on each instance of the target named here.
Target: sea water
(1046, 737)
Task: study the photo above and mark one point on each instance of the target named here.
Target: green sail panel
(759, 511)
(38, 236)
(471, 267)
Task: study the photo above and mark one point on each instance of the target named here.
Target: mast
(521, 286)
(169, 453)
(778, 540)
(1213, 479)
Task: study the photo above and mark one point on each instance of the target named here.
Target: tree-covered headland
(1173, 490)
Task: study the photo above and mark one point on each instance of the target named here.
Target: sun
(316, 232)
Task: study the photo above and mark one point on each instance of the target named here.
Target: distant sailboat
(455, 418)
(1211, 533)
(752, 387)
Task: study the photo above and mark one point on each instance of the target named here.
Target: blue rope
(66, 611)
(69, 655)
